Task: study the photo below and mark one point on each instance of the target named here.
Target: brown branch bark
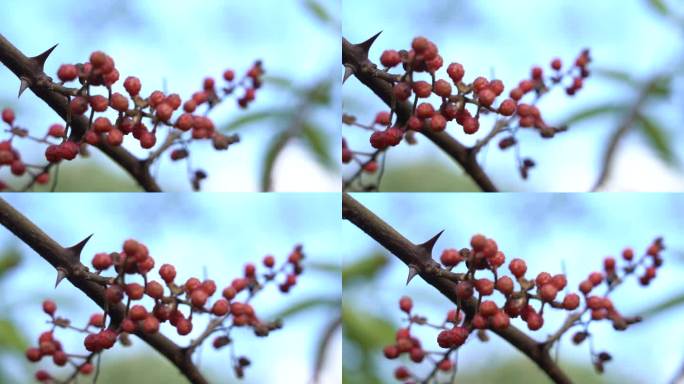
(67, 259)
(355, 56)
(30, 70)
(419, 257)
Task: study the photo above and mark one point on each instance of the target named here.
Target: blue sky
(553, 232)
(175, 44)
(212, 234)
(505, 39)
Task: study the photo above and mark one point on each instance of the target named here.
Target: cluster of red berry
(168, 300)
(474, 312)
(128, 114)
(461, 101)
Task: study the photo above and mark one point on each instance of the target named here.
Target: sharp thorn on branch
(348, 71)
(25, 83)
(413, 271)
(77, 248)
(366, 45)
(428, 245)
(61, 274)
(40, 59)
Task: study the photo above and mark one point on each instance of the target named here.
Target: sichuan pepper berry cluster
(521, 296)
(154, 302)
(437, 102)
(113, 116)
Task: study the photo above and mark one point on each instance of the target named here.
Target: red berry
(167, 272)
(208, 83)
(548, 292)
(484, 286)
(269, 261)
(401, 373)
(147, 140)
(102, 261)
(382, 118)
(517, 267)
(402, 91)
(78, 105)
(422, 89)
(56, 130)
(390, 352)
(628, 254)
(42, 375)
(390, 58)
(534, 321)
(99, 103)
(595, 302)
(586, 286)
(49, 307)
(420, 44)
(480, 83)
(98, 59)
(478, 242)
(132, 85)
(127, 325)
(208, 286)
(33, 354)
(220, 307)
(471, 125)
(507, 107)
(119, 102)
(97, 320)
(114, 294)
(442, 88)
(370, 167)
(500, 320)
(542, 278)
(486, 97)
(571, 301)
(537, 73)
(595, 278)
(151, 324)
(488, 308)
(67, 72)
(184, 326)
(163, 112)
(198, 298)
(464, 290)
(115, 137)
(445, 365)
(437, 122)
(229, 75)
(455, 72)
(450, 257)
(556, 64)
(405, 304)
(137, 313)
(559, 281)
(424, 110)
(496, 86)
(135, 291)
(102, 125)
(504, 285)
(609, 264)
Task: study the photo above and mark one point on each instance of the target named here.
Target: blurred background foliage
(556, 236)
(289, 135)
(631, 102)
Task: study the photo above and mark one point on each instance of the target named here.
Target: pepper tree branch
(419, 259)
(67, 260)
(355, 57)
(30, 72)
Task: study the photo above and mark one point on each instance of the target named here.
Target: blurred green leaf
(318, 144)
(306, 305)
(659, 6)
(278, 81)
(657, 138)
(364, 269)
(258, 116)
(324, 343)
(8, 260)
(662, 87)
(317, 9)
(11, 337)
(273, 150)
(324, 267)
(368, 331)
(592, 112)
(617, 75)
(659, 308)
(320, 93)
